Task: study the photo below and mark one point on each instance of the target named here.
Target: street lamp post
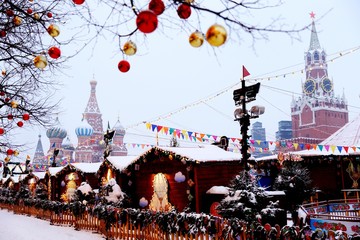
(242, 96)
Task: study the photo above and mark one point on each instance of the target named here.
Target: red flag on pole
(245, 72)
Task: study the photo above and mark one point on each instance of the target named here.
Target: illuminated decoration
(40, 61)
(216, 35)
(157, 6)
(354, 173)
(129, 48)
(124, 66)
(159, 201)
(184, 11)
(146, 21)
(54, 52)
(78, 2)
(17, 21)
(196, 39)
(109, 175)
(53, 30)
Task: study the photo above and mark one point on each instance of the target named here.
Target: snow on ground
(21, 227)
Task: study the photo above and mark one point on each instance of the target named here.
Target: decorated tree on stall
(248, 202)
(85, 194)
(41, 191)
(294, 179)
(111, 194)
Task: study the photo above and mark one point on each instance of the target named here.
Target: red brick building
(318, 113)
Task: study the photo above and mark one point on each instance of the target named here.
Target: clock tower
(318, 113)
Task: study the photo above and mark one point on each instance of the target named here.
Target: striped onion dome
(119, 129)
(57, 131)
(85, 129)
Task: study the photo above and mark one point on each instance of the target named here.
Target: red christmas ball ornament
(157, 6)
(2, 131)
(29, 11)
(10, 12)
(10, 152)
(7, 99)
(2, 93)
(10, 117)
(26, 116)
(184, 11)
(49, 15)
(124, 66)
(78, 2)
(2, 33)
(146, 21)
(20, 123)
(54, 52)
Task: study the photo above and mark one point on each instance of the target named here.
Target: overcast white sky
(168, 74)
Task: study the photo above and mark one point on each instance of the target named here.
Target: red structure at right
(318, 113)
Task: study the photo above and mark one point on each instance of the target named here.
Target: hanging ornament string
(217, 94)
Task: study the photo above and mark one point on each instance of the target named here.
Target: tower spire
(92, 111)
(314, 40)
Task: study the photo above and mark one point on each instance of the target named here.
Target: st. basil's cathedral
(90, 134)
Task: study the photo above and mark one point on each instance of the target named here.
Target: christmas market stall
(163, 178)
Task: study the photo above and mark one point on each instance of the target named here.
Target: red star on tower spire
(312, 15)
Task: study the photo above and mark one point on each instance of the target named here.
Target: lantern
(20, 123)
(157, 6)
(216, 35)
(129, 48)
(78, 2)
(2, 131)
(9, 152)
(54, 52)
(26, 116)
(40, 61)
(184, 11)
(124, 66)
(17, 20)
(14, 104)
(53, 30)
(146, 21)
(196, 39)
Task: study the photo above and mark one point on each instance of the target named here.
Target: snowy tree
(294, 179)
(112, 193)
(247, 201)
(41, 191)
(85, 194)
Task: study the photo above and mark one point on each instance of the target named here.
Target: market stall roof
(39, 175)
(87, 167)
(121, 162)
(203, 153)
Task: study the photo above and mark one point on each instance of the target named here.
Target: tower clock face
(309, 86)
(326, 85)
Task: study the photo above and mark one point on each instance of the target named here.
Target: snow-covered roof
(121, 162)
(87, 167)
(218, 190)
(54, 170)
(204, 153)
(39, 175)
(348, 135)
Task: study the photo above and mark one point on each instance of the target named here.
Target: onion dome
(57, 131)
(119, 129)
(85, 129)
(67, 145)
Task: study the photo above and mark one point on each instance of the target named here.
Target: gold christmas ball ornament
(36, 16)
(14, 104)
(216, 35)
(6, 159)
(40, 61)
(129, 48)
(53, 30)
(189, 1)
(17, 20)
(196, 39)
(16, 152)
(3, 72)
